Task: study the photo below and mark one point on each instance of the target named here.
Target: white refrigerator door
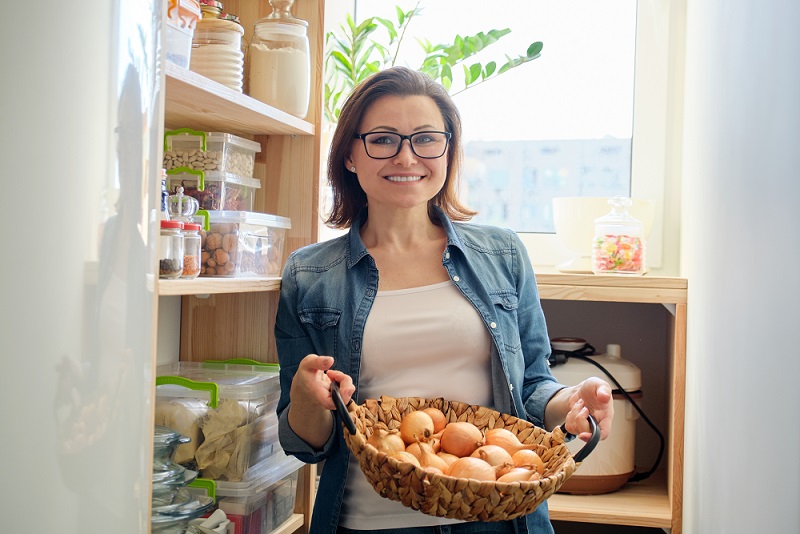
(82, 98)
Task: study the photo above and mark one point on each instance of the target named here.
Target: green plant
(356, 52)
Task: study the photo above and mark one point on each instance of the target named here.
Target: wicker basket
(445, 496)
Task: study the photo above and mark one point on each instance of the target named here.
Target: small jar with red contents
(192, 247)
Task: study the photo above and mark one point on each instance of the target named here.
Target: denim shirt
(327, 291)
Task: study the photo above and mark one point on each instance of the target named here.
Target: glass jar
(191, 250)
(164, 215)
(170, 250)
(618, 246)
(279, 61)
(217, 52)
(211, 9)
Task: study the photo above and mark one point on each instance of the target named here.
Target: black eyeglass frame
(447, 137)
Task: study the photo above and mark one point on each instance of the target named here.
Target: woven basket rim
(445, 496)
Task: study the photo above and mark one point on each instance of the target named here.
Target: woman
(410, 303)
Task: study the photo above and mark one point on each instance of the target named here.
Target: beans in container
(210, 151)
(214, 190)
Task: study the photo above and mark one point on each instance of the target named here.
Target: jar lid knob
(281, 9)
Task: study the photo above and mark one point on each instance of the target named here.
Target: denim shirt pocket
(505, 304)
(322, 326)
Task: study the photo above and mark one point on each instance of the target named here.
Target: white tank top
(420, 342)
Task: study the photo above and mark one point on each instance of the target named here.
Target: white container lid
(248, 217)
(239, 382)
(220, 137)
(271, 470)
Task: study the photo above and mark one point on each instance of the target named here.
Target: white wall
(741, 253)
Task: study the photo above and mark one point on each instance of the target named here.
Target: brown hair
(348, 197)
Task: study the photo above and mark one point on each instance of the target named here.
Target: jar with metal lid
(217, 50)
(192, 247)
(170, 250)
(279, 61)
(618, 246)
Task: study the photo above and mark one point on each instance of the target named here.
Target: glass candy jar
(619, 245)
(279, 61)
(192, 247)
(170, 250)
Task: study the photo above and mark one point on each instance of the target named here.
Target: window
(587, 118)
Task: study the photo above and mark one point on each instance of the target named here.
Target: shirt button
(493, 324)
(456, 279)
(447, 255)
(511, 388)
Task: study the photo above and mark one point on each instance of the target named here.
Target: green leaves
(354, 53)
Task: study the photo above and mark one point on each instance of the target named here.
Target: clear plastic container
(279, 61)
(220, 190)
(182, 17)
(209, 151)
(619, 244)
(192, 246)
(170, 250)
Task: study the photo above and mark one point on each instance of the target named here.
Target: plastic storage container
(279, 61)
(241, 402)
(619, 244)
(261, 507)
(170, 250)
(214, 190)
(243, 243)
(210, 151)
(182, 17)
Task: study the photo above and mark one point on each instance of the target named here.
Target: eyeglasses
(385, 145)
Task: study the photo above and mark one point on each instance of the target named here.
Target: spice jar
(170, 250)
(618, 246)
(217, 47)
(192, 247)
(164, 214)
(279, 63)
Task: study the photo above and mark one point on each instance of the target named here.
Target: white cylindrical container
(279, 62)
(611, 463)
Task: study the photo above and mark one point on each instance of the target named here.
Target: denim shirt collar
(356, 250)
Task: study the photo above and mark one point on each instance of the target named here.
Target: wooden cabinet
(233, 317)
(657, 501)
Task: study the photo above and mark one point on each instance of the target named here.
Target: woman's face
(404, 181)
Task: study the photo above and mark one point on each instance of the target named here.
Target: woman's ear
(348, 164)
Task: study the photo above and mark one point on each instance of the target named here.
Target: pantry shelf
(190, 99)
(210, 286)
(610, 288)
(640, 504)
(290, 525)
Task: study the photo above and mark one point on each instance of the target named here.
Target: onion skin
(428, 458)
(418, 448)
(387, 442)
(416, 425)
(447, 457)
(438, 417)
(470, 467)
(493, 455)
(404, 456)
(529, 459)
(461, 438)
(517, 474)
(506, 439)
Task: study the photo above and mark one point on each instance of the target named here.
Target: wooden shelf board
(194, 101)
(608, 288)
(642, 504)
(290, 525)
(209, 286)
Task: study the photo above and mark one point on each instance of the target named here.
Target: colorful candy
(613, 253)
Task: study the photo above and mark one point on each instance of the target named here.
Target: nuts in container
(210, 151)
(214, 190)
(242, 243)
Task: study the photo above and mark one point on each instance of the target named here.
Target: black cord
(561, 356)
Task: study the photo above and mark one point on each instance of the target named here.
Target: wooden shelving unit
(656, 502)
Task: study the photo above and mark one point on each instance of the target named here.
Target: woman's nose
(406, 154)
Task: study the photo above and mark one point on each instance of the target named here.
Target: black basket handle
(341, 409)
(590, 445)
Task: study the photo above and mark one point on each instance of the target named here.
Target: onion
(493, 455)
(529, 459)
(428, 458)
(416, 425)
(461, 438)
(418, 447)
(404, 456)
(518, 474)
(438, 417)
(388, 442)
(447, 457)
(506, 439)
(470, 467)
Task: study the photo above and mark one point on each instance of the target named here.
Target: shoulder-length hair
(348, 197)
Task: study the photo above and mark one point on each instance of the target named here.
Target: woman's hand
(592, 396)
(311, 401)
